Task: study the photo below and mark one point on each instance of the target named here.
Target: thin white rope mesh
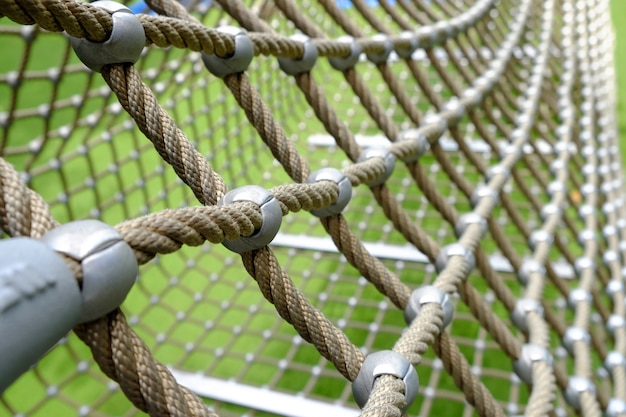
(199, 311)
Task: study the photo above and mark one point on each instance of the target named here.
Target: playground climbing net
(427, 208)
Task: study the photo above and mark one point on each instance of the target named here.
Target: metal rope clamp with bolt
(108, 264)
(426, 295)
(295, 66)
(236, 63)
(342, 63)
(124, 45)
(343, 184)
(385, 362)
(388, 158)
(530, 353)
(270, 211)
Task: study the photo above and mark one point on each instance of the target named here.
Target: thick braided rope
(453, 278)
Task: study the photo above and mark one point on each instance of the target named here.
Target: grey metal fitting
(295, 66)
(586, 210)
(529, 266)
(576, 386)
(557, 166)
(483, 191)
(406, 52)
(588, 189)
(270, 212)
(614, 287)
(496, 170)
(456, 107)
(609, 231)
(39, 303)
(510, 149)
(343, 184)
(454, 249)
(530, 353)
(583, 263)
(548, 210)
(539, 236)
(523, 307)
(426, 295)
(385, 362)
(388, 158)
(472, 96)
(610, 256)
(342, 63)
(419, 138)
(616, 408)
(383, 56)
(586, 235)
(614, 323)
(125, 43)
(574, 335)
(238, 62)
(578, 295)
(435, 119)
(467, 219)
(555, 187)
(614, 359)
(108, 264)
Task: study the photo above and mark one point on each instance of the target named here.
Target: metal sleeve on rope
(108, 264)
(238, 62)
(125, 43)
(39, 303)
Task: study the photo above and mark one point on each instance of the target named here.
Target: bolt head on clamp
(385, 362)
(109, 265)
(295, 66)
(343, 184)
(238, 62)
(125, 43)
(270, 212)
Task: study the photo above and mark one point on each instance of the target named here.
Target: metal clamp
(529, 266)
(616, 408)
(385, 362)
(420, 140)
(125, 43)
(295, 66)
(530, 353)
(270, 212)
(614, 359)
(574, 335)
(467, 219)
(345, 190)
(388, 158)
(426, 295)
(238, 62)
(523, 307)
(481, 192)
(383, 56)
(39, 303)
(576, 386)
(454, 249)
(342, 63)
(407, 51)
(108, 263)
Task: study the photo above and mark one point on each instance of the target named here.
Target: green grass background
(149, 195)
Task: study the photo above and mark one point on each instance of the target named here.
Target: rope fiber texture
(499, 116)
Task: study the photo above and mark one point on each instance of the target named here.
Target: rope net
(506, 195)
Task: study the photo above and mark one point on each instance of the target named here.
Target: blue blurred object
(346, 4)
(140, 6)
